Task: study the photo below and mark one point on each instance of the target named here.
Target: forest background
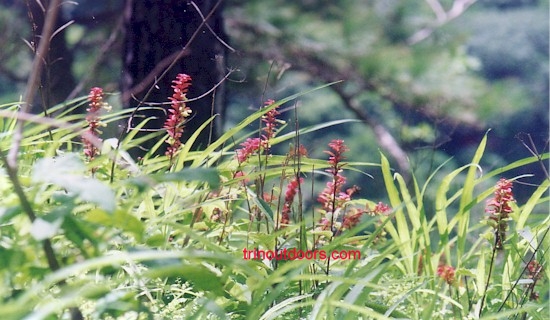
(432, 76)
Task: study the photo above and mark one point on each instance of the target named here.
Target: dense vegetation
(246, 227)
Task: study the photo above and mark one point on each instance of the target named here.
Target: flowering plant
(177, 114)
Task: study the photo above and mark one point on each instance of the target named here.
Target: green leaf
(531, 203)
(199, 276)
(119, 219)
(156, 240)
(6, 214)
(77, 231)
(67, 171)
(262, 205)
(42, 229)
(441, 204)
(208, 175)
(466, 198)
(312, 128)
(401, 235)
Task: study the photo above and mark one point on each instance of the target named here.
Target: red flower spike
(270, 122)
(95, 98)
(499, 209)
(332, 194)
(291, 190)
(177, 114)
(535, 270)
(500, 203)
(252, 145)
(352, 219)
(249, 147)
(302, 151)
(337, 154)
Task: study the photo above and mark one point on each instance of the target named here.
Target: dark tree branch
(384, 138)
(312, 61)
(152, 77)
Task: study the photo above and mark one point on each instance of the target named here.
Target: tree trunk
(57, 79)
(156, 31)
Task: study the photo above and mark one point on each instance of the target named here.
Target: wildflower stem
(523, 271)
(491, 264)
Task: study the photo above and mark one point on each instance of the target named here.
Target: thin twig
(178, 56)
(99, 58)
(210, 28)
(151, 77)
(534, 151)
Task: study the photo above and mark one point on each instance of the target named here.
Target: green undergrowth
(164, 237)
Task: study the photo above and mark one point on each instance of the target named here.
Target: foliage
(166, 237)
(246, 228)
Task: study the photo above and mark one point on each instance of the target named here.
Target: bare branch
(61, 29)
(437, 8)
(458, 8)
(41, 6)
(383, 136)
(210, 28)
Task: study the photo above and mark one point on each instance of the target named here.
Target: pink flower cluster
(95, 97)
(333, 199)
(249, 147)
(178, 113)
(503, 196)
(332, 196)
(270, 124)
(253, 145)
(291, 190)
(446, 273)
(535, 271)
(499, 210)
(380, 209)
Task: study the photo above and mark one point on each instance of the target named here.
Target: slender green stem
(523, 271)
(490, 272)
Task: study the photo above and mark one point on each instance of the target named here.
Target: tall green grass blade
(463, 215)
(401, 235)
(312, 128)
(184, 152)
(528, 208)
